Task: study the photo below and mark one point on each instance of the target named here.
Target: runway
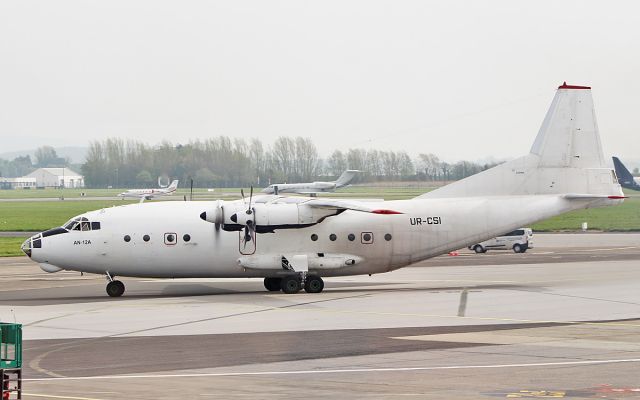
(553, 322)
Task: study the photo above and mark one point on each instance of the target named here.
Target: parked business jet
(312, 188)
(293, 242)
(625, 179)
(148, 194)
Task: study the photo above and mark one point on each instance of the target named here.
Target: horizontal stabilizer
(592, 197)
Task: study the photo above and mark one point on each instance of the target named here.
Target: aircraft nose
(34, 242)
(26, 247)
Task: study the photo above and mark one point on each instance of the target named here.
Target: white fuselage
(426, 228)
(147, 193)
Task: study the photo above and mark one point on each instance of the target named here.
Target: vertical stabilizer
(346, 177)
(569, 134)
(173, 186)
(566, 157)
(623, 173)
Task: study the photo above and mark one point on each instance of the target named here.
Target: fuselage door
(247, 241)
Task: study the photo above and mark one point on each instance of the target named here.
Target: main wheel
(272, 284)
(517, 248)
(115, 288)
(478, 249)
(313, 284)
(291, 284)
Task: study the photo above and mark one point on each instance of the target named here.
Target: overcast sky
(463, 80)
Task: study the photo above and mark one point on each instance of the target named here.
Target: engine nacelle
(265, 216)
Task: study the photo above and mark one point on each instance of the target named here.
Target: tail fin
(173, 186)
(346, 177)
(566, 157)
(623, 173)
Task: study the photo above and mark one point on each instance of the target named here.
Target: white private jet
(292, 242)
(312, 188)
(148, 194)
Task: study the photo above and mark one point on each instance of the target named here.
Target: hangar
(57, 177)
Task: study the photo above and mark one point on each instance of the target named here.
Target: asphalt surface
(555, 322)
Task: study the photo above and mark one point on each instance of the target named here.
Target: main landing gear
(291, 284)
(114, 288)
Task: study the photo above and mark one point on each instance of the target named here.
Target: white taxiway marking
(51, 396)
(340, 371)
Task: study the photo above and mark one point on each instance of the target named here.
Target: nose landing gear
(114, 288)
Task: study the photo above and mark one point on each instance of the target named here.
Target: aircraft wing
(345, 205)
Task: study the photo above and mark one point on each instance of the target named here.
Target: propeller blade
(250, 197)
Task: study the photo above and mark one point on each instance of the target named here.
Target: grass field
(625, 217)
(78, 193)
(10, 246)
(41, 215)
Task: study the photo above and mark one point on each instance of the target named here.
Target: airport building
(18, 183)
(56, 177)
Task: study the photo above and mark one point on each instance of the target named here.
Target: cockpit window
(81, 224)
(69, 225)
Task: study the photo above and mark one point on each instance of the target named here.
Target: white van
(519, 241)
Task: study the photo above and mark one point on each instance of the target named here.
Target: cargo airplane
(312, 188)
(294, 242)
(148, 194)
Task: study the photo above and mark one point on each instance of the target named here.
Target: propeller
(249, 225)
(215, 216)
(241, 220)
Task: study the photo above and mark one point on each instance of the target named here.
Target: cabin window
(314, 237)
(127, 238)
(146, 238)
(95, 226)
(333, 237)
(387, 237)
(170, 239)
(351, 237)
(366, 237)
(186, 237)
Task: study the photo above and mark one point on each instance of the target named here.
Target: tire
(272, 284)
(313, 284)
(115, 289)
(479, 249)
(517, 248)
(290, 284)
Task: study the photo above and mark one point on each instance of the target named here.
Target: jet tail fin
(173, 185)
(346, 177)
(566, 157)
(622, 171)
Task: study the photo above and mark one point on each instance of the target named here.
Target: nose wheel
(115, 288)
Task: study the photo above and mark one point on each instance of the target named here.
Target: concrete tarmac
(555, 322)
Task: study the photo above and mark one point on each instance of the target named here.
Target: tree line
(225, 162)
